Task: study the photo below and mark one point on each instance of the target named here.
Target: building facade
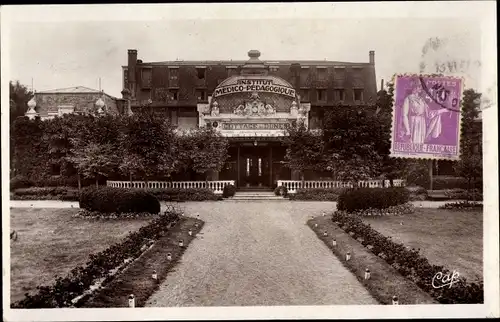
(80, 99)
(250, 102)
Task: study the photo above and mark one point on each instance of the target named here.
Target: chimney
(132, 62)
(372, 57)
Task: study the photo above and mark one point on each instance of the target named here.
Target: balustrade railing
(215, 186)
(293, 185)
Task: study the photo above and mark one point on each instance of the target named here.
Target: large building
(250, 102)
(80, 100)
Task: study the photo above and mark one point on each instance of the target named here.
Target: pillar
(238, 168)
(270, 166)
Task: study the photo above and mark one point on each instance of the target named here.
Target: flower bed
(409, 262)
(398, 210)
(464, 194)
(319, 194)
(193, 194)
(462, 205)
(83, 213)
(100, 268)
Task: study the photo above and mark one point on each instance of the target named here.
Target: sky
(63, 52)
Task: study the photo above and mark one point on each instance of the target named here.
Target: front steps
(255, 195)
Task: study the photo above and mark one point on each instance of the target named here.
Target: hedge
(443, 183)
(118, 200)
(409, 262)
(319, 194)
(46, 193)
(356, 199)
(81, 278)
(281, 191)
(20, 182)
(192, 194)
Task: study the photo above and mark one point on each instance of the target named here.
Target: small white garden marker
(315, 225)
(367, 274)
(348, 256)
(181, 243)
(196, 225)
(325, 234)
(154, 275)
(395, 300)
(182, 214)
(324, 214)
(334, 242)
(169, 256)
(131, 300)
(190, 232)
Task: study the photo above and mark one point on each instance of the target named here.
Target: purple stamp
(426, 118)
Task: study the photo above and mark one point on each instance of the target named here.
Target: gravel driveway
(258, 253)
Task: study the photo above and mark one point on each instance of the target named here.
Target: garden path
(258, 253)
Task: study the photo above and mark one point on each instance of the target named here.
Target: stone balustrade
(216, 186)
(293, 185)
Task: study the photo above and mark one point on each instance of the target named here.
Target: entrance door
(254, 168)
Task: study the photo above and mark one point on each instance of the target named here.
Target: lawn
(51, 242)
(453, 239)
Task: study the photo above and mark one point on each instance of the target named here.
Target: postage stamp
(426, 117)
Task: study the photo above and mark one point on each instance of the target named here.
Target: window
(173, 117)
(231, 71)
(322, 73)
(273, 69)
(200, 71)
(321, 94)
(304, 95)
(173, 77)
(358, 95)
(304, 73)
(174, 94)
(339, 73)
(174, 73)
(339, 95)
(201, 95)
(146, 74)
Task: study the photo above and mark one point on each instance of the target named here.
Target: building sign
(254, 85)
(255, 126)
(427, 117)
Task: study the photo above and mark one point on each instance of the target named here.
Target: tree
(94, 160)
(19, 96)
(147, 143)
(470, 165)
(203, 150)
(350, 136)
(391, 168)
(28, 150)
(305, 149)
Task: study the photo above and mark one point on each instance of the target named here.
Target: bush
(20, 182)
(410, 263)
(443, 183)
(281, 191)
(176, 194)
(356, 199)
(417, 193)
(464, 194)
(118, 200)
(229, 191)
(320, 194)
